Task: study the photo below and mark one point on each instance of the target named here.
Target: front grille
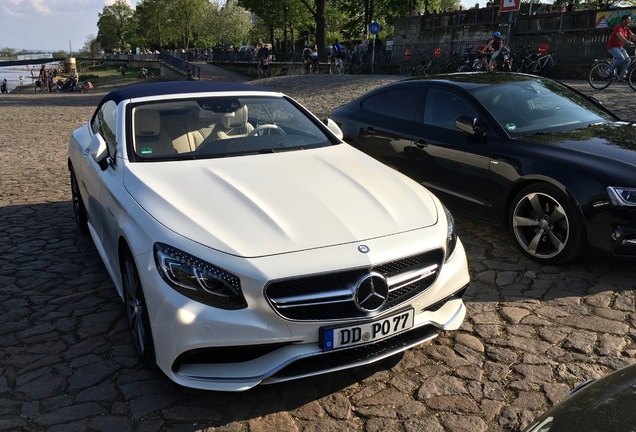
(331, 296)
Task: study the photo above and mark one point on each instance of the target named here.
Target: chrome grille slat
(331, 296)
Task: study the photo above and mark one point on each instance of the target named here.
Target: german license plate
(372, 331)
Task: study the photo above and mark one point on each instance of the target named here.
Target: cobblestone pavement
(531, 334)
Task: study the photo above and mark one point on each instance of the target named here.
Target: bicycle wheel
(465, 68)
(345, 67)
(451, 66)
(550, 66)
(597, 78)
(406, 68)
(631, 77)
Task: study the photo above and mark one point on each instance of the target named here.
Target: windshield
(535, 106)
(219, 127)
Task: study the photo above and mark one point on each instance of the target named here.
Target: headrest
(236, 119)
(204, 115)
(147, 123)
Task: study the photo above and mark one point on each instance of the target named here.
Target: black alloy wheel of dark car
(137, 311)
(81, 218)
(546, 224)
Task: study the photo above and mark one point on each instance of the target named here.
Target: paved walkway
(66, 364)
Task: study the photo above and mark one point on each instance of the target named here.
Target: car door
(455, 165)
(100, 178)
(388, 123)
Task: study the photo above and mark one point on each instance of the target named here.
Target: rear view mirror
(334, 128)
(98, 149)
(470, 125)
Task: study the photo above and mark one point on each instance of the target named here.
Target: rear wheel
(597, 79)
(137, 311)
(547, 225)
(465, 68)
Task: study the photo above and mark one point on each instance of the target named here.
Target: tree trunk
(321, 24)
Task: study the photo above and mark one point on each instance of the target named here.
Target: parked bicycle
(536, 63)
(597, 76)
(480, 63)
(426, 66)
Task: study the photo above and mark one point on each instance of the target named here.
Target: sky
(56, 25)
(49, 25)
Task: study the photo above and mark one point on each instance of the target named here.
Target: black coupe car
(604, 405)
(548, 162)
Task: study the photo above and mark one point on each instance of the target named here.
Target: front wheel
(81, 216)
(406, 68)
(631, 78)
(546, 224)
(465, 68)
(137, 311)
(597, 78)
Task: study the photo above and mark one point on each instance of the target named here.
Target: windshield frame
(305, 130)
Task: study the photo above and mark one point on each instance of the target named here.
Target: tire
(81, 216)
(137, 311)
(333, 68)
(631, 78)
(596, 77)
(451, 67)
(465, 68)
(406, 68)
(547, 224)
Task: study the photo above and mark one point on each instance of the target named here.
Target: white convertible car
(250, 244)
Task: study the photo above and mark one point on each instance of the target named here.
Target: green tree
(115, 23)
(187, 16)
(91, 47)
(228, 23)
(154, 24)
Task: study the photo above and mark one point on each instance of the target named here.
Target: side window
(443, 107)
(400, 103)
(105, 124)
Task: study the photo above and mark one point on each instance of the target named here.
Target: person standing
(44, 82)
(620, 35)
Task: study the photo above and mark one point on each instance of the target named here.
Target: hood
(267, 204)
(612, 141)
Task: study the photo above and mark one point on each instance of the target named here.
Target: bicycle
(309, 67)
(479, 64)
(537, 64)
(426, 66)
(597, 76)
(338, 67)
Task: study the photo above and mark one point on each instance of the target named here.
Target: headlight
(197, 279)
(451, 235)
(620, 196)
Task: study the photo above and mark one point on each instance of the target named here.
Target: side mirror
(98, 149)
(469, 125)
(334, 128)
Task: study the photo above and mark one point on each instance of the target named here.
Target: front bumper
(202, 347)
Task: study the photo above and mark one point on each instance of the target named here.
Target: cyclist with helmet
(494, 46)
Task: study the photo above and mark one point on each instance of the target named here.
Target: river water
(28, 73)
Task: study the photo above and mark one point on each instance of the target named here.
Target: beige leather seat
(233, 125)
(150, 139)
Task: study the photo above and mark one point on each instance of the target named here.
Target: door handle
(369, 131)
(420, 143)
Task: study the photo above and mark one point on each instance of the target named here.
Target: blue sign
(374, 28)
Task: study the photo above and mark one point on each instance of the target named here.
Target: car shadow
(67, 346)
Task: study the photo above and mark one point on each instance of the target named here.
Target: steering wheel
(264, 127)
